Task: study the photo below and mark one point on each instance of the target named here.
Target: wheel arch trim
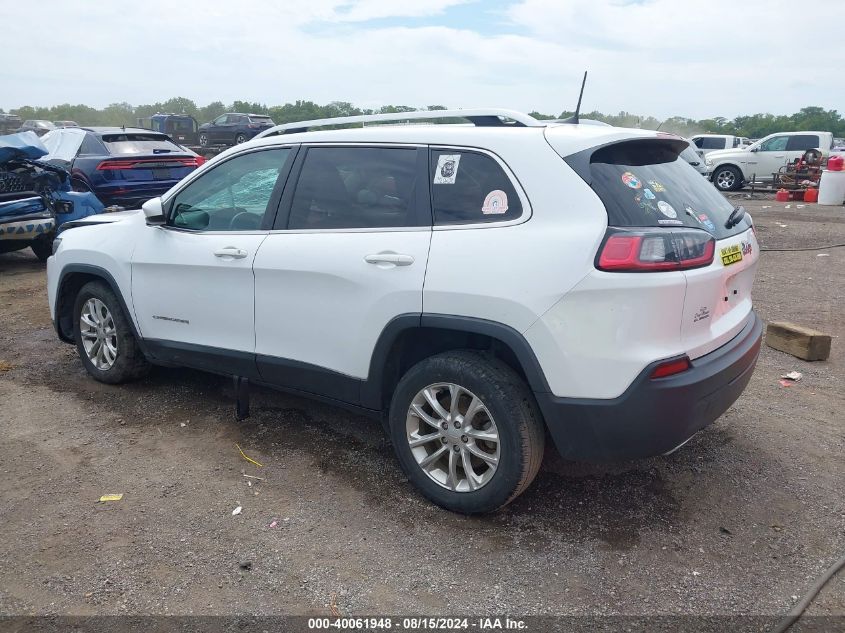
(100, 273)
(371, 389)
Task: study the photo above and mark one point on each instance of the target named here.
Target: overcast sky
(658, 57)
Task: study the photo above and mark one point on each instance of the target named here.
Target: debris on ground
(253, 477)
(237, 511)
(823, 255)
(795, 376)
(802, 342)
(249, 459)
(5, 366)
(182, 424)
(246, 565)
(112, 497)
(273, 523)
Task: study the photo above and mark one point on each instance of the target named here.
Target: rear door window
(470, 187)
(646, 183)
(709, 142)
(356, 188)
(803, 142)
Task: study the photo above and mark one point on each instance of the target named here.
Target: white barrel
(832, 187)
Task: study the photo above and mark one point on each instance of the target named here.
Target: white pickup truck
(729, 169)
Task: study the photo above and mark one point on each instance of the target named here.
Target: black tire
(240, 138)
(42, 247)
(510, 403)
(203, 139)
(727, 178)
(129, 362)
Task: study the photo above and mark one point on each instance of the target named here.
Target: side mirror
(154, 212)
(755, 149)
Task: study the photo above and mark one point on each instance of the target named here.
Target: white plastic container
(832, 187)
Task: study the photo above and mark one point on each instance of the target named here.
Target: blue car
(122, 166)
(233, 128)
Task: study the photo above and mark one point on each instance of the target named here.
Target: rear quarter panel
(512, 274)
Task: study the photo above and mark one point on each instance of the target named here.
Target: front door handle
(230, 251)
(397, 259)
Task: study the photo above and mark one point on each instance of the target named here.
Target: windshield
(649, 183)
(139, 144)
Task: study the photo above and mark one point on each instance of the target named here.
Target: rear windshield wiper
(735, 217)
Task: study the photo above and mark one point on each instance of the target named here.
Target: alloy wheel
(725, 179)
(99, 335)
(453, 437)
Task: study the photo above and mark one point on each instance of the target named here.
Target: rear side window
(803, 142)
(470, 187)
(139, 144)
(646, 183)
(91, 145)
(356, 187)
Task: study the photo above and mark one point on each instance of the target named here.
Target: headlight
(56, 242)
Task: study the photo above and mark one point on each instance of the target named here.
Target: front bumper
(654, 416)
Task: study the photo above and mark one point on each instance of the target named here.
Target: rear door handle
(230, 251)
(397, 259)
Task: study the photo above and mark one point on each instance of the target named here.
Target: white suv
(479, 288)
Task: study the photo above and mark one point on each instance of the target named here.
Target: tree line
(117, 114)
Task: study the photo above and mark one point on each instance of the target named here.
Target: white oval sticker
(667, 209)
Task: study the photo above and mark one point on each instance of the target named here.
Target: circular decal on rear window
(496, 202)
(631, 180)
(667, 209)
(648, 194)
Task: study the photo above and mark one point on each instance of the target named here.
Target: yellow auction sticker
(731, 254)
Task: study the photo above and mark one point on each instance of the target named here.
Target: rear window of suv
(139, 144)
(261, 120)
(646, 183)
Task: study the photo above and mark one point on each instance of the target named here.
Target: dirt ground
(740, 521)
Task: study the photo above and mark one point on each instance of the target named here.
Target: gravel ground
(740, 521)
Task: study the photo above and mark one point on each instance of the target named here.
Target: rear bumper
(653, 417)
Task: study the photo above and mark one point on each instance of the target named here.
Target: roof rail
(485, 117)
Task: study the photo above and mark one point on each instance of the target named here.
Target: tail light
(201, 160)
(655, 250)
(149, 163)
(671, 367)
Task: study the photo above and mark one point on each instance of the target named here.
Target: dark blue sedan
(122, 166)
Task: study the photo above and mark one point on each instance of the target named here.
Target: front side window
(356, 187)
(470, 187)
(220, 120)
(234, 196)
(803, 142)
(776, 144)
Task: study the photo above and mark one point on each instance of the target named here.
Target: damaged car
(35, 197)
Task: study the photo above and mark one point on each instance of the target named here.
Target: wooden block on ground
(799, 341)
